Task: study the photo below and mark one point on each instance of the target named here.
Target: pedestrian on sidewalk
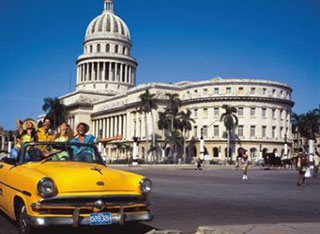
(302, 164)
(245, 164)
(199, 164)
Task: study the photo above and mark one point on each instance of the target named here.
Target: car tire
(23, 226)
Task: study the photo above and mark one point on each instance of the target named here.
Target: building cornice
(237, 98)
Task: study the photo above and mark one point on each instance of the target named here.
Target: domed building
(106, 97)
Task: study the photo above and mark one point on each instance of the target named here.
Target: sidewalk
(176, 167)
(281, 228)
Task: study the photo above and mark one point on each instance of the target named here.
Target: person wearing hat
(43, 133)
(81, 137)
(27, 130)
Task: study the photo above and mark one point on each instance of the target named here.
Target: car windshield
(60, 152)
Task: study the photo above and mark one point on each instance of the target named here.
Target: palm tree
(230, 121)
(164, 125)
(185, 127)
(55, 110)
(172, 109)
(174, 138)
(146, 105)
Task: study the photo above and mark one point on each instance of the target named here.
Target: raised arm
(19, 125)
(106, 140)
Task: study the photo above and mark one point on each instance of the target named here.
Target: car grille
(86, 205)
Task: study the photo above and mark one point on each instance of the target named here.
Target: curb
(164, 232)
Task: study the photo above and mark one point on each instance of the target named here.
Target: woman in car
(27, 130)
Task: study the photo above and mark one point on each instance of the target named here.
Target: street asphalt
(216, 197)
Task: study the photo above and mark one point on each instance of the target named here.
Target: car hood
(78, 177)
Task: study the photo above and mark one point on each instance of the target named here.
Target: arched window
(116, 49)
(215, 152)
(124, 50)
(98, 48)
(90, 48)
(107, 47)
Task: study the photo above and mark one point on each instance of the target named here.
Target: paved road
(185, 199)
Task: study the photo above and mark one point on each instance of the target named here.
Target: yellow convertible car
(52, 184)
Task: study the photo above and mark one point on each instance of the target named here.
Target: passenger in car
(43, 133)
(84, 153)
(65, 133)
(27, 130)
(16, 149)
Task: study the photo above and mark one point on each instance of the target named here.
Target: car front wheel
(23, 226)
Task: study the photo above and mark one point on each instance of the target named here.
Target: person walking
(245, 164)
(302, 163)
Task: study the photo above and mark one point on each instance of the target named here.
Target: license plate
(100, 219)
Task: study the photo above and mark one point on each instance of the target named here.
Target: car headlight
(145, 186)
(46, 187)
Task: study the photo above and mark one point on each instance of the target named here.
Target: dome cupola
(106, 64)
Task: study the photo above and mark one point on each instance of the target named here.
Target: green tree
(55, 110)
(164, 125)
(147, 104)
(185, 126)
(230, 121)
(172, 109)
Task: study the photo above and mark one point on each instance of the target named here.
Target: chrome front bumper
(40, 222)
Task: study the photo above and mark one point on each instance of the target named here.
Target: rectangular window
(205, 91)
(252, 111)
(195, 131)
(281, 114)
(240, 131)
(216, 130)
(253, 90)
(252, 131)
(264, 91)
(195, 113)
(273, 113)
(264, 112)
(205, 131)
(240, 91)
(264, 131)
(216, 90)
(273, 132)
(228, 90)
(205, 113)
(240, 111)
(281, 132)
(216, 111)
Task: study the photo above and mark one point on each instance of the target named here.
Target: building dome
(106, 64)
(107, 25)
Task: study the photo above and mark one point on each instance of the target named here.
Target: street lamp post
(135, 157)
(201, 145)
(285, 146)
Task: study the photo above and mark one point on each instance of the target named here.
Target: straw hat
(28, 120)
(85, 125)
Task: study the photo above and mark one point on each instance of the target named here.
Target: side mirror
(10, 161)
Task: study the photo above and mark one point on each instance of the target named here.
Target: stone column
(126, 73)
(110, 67)
(111, 127)
(78, 77)
(121, 72)
(87, 72)
(130, 79)
(116, 125)
(116, 72)
(104, 71)
(120, 124)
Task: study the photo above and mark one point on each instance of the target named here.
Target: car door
(5, 188)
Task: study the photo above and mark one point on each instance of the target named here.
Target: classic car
(52, 184)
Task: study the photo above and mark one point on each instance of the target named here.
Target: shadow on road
(7, 226)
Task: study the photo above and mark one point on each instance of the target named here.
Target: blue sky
(173, 40)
